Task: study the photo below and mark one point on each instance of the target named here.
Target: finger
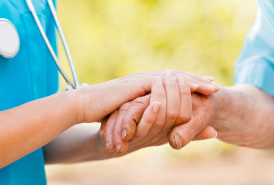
(103, 124)
(157, 94)
(161, 141)
(208, 133)
(193, 86)
(181, 135)
(148, 119)
(120, 145)
(108, 130)
(203, 88)
(204, 79)
(185, 101)
(173, 104)
(209, 78)
(133, 116)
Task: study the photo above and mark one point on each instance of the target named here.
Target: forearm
(245, 117)
(79, 143)
(30, 126)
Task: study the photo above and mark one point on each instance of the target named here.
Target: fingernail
(124, 134)
(108, 145)
(194, 86)
(211, 87)
(208, 78)
(217, 86)
(181, 80)
(216, 135)
(156, 107)
(158, 80)
(169, 75)
(118, 148)
(177, 142)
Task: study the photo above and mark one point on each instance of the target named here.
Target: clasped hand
(170, 113)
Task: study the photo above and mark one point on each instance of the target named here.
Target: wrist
(75, 104)
(220, 100)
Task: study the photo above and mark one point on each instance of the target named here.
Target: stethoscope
(10, 43)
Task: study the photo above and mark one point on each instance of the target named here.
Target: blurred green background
(113, 38)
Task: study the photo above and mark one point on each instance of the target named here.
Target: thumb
(208, 133)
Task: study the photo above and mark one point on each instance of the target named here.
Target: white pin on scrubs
(9, 39)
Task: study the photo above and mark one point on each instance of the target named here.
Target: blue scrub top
(30, 75)
(255, 65)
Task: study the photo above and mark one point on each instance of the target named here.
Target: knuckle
(148, 119)
(154, 139)
(173, 114)
(141, 101)
(160, 94)
(158, 124)
(127, 120)
(129, 126)
(138, 135)
(183, 119)
(184, 91)
(117, 138)
(133, 114)
(188, 133)
(172, 84)
(125, 107)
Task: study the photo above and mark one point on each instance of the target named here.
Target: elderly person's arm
(242, 115)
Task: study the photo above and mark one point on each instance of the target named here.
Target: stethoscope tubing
(62, 71)
(60, 30)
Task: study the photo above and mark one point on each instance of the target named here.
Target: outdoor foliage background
(112, 38)
(109, 39)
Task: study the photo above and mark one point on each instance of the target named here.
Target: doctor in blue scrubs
(38, 126)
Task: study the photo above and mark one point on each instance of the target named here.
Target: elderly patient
(243, 114)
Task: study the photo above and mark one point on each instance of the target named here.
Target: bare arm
(81, 142)
(78, 144)
(28, 127)
(243, 115)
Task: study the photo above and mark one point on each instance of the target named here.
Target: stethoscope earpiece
(67, 88)
(84, 85)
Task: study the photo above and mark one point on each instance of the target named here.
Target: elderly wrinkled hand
(147, 120)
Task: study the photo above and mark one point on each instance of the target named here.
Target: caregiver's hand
(39, 122)
(102, 99)
(153, 127)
